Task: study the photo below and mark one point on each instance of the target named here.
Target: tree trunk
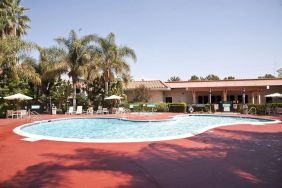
(106, 88)
(74, 96)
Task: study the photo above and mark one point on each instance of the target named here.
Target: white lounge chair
(100, 110)
(89, 110)
(78, 110)
(121, 110)
(70, 111)
(105, 111)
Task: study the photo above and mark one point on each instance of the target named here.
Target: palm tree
(13, 22)
(174, 79)
(113, 60)
(49, 68)
(12, 52)
(78, 52)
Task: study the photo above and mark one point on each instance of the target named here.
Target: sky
(241, 38)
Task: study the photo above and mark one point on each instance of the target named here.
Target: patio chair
(10, 113)
(79, 110)
(89, 110)
(100, 110)
(23, 113)
(268, 111)
(121, 110)
(278, 110)
(105, 111)
(70, 111)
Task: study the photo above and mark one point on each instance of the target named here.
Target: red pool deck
(225, 157)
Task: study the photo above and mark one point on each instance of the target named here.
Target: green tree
(13, 21)
(113, 60)
(12, 53)
(141, 94)
(60, 92)
(212, 77)
(48, 68)
(229, 78)
(78, 53)
(266, 76)
(194, 77)
(174, 79)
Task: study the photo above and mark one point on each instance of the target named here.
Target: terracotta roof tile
(151, 84)
(225, 83)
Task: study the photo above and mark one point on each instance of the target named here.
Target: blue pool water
(111, 129)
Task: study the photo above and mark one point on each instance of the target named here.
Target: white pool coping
(35, 137)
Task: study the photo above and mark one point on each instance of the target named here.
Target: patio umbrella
(274, 95)
(113, 97)
(18, 96)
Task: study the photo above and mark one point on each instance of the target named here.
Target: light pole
(244, 96)
(210, 99)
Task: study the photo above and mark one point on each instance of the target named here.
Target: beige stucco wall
(181, 95)
(155, 96)
(178, 95)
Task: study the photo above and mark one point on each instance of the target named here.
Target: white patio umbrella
(274, 95)
(18, 96)
(113, 97)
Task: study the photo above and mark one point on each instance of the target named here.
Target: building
(279, 71)
(204, 91)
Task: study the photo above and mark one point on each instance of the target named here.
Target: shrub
(202, 108)
(261, 108)
(177, 107)
(162, 107)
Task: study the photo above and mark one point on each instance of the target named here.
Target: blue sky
(242, 38)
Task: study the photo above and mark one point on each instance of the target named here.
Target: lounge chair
(70, 111)
(121, 110)
(78, 110)
(100, 110)
(105, 111)
(89, 110)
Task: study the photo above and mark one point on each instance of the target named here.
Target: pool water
(121, 130)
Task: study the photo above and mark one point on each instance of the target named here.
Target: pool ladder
(252, 109)
(33, 116)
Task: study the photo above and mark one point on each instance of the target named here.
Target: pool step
(31, 139)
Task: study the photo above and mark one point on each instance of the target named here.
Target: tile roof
(151, 84)
(225, 83)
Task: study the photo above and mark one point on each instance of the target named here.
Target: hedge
(145, 107)
(261, 108)
(177, 107)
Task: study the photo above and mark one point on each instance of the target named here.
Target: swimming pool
(105, 130)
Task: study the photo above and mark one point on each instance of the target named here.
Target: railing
(33, 116)
(252, 109)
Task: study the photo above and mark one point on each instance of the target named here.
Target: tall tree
(194, 77)
(174, 79)
(49, 67)
(229, 78)
(78, 52)
(12, 52)
(266, 76)
(13, 21)
(113, 60)
(212, 77)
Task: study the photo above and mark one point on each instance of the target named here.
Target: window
(268, 100)
(168, 99)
